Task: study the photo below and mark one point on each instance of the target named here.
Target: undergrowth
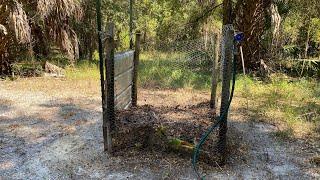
(159, 71)
(83, 70)
(293, 104)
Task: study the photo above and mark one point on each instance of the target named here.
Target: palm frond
(19, 24)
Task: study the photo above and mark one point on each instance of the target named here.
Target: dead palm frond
(3, 30)
(53, 20)
(57, 14)
(19, 24)
(61, 9)
(14, 21)
(15, 31)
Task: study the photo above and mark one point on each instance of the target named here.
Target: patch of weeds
(289, 102)
(283, 100)
(284, 134)
(315, 161)
(83, 71)
(27, 69)
(317, 128)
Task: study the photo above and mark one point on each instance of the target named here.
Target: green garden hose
(215, 125)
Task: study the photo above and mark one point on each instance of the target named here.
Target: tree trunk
(250, 19)
(215, 72)
(307, 41)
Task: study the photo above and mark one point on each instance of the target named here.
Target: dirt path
(58, 136)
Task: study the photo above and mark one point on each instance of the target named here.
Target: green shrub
(27, 69)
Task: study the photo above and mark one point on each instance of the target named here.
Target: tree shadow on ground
(79, 154)
(5, 105)
(25, 136)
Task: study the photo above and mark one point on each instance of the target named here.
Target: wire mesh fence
(195, 55)
(178, 64)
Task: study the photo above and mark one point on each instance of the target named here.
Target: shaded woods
(39, 30)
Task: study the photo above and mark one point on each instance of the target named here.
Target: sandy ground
(54, 132)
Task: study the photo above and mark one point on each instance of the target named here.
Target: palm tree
(250, 19)
(26, 23)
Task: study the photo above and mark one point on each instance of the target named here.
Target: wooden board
(123, 62)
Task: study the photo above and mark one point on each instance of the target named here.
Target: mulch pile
(165, 129)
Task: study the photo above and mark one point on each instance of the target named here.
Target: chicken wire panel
(196, 55)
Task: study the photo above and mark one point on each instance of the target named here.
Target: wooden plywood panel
(123, 62)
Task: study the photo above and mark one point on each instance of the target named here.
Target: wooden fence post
(215, 72)
(102, 78)
(135, 70)
(109, 120)
(227, 59)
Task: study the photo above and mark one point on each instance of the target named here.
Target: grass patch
(83, 70)
(294, 104)
(156, 70)
(159, 70)
(284, 134)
